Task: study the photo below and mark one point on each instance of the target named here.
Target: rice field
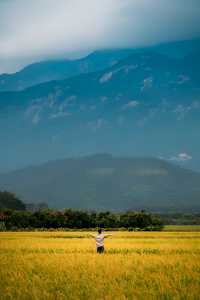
(64, 265)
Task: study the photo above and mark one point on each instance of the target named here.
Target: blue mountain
(105, 182)
(145, 104)
(44, 71)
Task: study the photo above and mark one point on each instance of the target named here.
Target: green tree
(10, 201)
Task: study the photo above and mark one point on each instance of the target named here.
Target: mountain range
(45, 71)
(129, 102)
(105, 182)
(145, 103)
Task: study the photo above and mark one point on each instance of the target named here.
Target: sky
(32, 31)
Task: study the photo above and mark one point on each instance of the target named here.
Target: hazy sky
(34, 30)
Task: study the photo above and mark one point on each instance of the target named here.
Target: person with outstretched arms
(99, 238)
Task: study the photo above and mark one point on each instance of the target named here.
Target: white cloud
(106, 77)
(130, 104)
(182, 110)
(147, 83)
(60, 114)
(181, 157)
(98, 124)
(33, 113)
(41, 29)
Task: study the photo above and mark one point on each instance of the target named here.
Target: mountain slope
(146, 104)
(106, 182)
(59, 69)
(143, 75)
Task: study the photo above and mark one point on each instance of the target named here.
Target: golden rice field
(64, 265)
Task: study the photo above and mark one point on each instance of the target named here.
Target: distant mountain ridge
(172, 75)
(145, 104)
(45, 71)
(60, 69)
(105, 182)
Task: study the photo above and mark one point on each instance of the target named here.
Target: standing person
(100, 240)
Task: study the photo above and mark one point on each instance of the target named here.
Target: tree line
(14, 214)
(10, 201)
(78, 219)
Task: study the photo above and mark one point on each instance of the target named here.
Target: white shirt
(99, 240)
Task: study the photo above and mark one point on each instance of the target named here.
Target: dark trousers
(100, 249)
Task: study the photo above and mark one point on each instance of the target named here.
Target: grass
(185, 228)
(64, 265)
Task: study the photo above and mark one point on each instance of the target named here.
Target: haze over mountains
(131, 103)
(44, 71)
(60, 69)
(106, 182)
(126, 102)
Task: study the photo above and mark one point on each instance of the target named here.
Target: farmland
(64, 265)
